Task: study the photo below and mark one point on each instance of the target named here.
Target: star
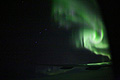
(40, 32)
(36, 42)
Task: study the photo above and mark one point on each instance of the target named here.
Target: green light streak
(85, 13)
(97, 64)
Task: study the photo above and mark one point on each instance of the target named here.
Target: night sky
(29, 38)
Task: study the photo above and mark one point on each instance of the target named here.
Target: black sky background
(24, 30)
(110, 13)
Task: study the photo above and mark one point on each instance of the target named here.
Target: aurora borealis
(91, 32)
(39, 38)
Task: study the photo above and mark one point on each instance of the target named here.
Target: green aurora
(85, 14)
